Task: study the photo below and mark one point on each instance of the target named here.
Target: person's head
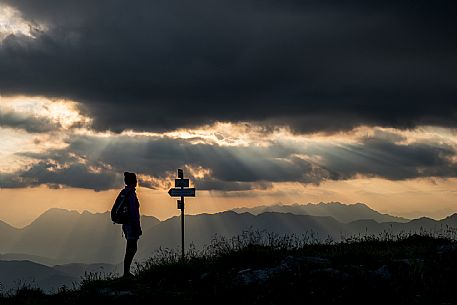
(130, 179)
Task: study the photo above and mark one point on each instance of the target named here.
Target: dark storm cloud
(13, 180)
(232, 168)
(62, 168)
(312, 65)
(31, 124)
(381, 158)
(97, 163)
(75, 175)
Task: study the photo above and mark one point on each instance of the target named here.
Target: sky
(260, 102)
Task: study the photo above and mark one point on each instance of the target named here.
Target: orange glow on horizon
(435, 198)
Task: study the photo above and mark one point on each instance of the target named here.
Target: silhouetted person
(132, 229)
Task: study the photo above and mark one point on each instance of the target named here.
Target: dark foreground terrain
(259, 269)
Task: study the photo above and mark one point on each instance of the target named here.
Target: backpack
(120, 209)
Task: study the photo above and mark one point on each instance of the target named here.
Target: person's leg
(129, 254)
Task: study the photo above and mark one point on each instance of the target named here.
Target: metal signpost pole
(181, 176)
(182, 190)
(182, 227)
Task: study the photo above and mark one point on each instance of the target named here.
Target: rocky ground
(410, 270)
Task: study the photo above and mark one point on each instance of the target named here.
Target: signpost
(182, 190)
(181, 182)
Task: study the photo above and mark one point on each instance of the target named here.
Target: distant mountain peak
(423, 220)
(453, 216)
(345, 213)
(6, 226)
(59, 211)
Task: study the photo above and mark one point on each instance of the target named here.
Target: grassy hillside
(255, 268)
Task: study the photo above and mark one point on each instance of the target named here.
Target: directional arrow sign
(175, 192)
(181, 182)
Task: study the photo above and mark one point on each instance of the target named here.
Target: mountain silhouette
(70, 237)
(14, 274)
(451, 220)
(200, 229)
(8, 235)
(342, 212)
(63, 237)
(60, 246)
(28, 257)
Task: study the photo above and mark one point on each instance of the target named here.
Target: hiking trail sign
(177, 192)
(182, 190)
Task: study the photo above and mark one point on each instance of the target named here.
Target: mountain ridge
(15, 273)
(253, 210)
(87, 241)
(63, 237)
(342, 212)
